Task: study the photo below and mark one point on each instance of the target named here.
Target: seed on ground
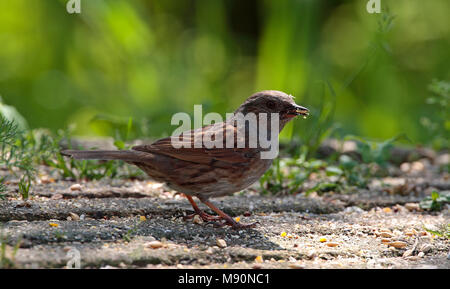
(75, 187)
(155, 245)
(386, 235)
(397, 244)
(259, 259)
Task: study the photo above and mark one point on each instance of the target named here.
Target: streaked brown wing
(168, 146)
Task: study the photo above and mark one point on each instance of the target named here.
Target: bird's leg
(228, 220)
(205, 217)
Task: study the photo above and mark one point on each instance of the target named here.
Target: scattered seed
(322, 240)
(296, 266)
(142, 218)
(397, 244)
(411, 233)
(76, 187)
(47, 180)
(238, 219)
(386, 235)
(283, 234)
(387, 210)
(259, 259)
(53, 225)
(155, 245)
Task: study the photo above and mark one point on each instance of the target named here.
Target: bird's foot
(204, 216)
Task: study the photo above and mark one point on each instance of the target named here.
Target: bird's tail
(125, 155)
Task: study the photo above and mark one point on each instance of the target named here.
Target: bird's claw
(204, 216)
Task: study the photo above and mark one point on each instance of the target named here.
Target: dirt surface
(135, 224)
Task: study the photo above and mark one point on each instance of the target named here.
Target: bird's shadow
(186, 232)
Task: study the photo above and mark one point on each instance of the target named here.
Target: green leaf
(333, 171)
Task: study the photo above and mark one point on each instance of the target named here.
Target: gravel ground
(139, 224)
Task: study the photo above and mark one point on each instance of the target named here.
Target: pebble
(405, 167)
(408, 253)
(412, 207)
(76, 187)
(353, 209)
(426, 248)
(56, 197)
(332, 244)
(197, 220)
(221, 243)
(417, 166)
(421, 254)
(74, 216)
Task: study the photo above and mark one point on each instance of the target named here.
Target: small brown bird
(205, 171)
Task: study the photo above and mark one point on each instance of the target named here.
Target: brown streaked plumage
(207, 172)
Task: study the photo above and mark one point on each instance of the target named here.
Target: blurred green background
(359, 73)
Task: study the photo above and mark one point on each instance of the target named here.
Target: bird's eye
(270, 104)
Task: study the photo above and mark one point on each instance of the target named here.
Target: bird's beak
(297, 110)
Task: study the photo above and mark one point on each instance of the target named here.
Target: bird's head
(273, 101)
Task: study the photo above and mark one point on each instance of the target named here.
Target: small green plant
(444, 231)
(16, 156)
(7, 255)
(436, 201)
(439, 125)
(89, 169)
(2, 189)
(131, 232)
(375, 152)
